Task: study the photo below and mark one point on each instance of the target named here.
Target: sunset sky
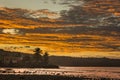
(90, 29)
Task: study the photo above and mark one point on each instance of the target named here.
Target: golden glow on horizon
(59, 44)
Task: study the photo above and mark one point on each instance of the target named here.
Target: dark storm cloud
(94, 12)
(78, 14)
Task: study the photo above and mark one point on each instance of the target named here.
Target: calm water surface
(107, 72)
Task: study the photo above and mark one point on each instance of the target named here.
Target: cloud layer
(90, 29)
(94, 12)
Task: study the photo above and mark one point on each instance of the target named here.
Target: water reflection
(107, 72)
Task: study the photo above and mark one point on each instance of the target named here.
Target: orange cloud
(67, 44)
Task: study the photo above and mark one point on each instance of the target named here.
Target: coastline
(49, 77)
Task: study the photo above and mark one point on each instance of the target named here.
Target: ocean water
(106, 72)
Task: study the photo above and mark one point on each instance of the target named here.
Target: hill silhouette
(85, 62)
(22, 60)
(58, 60)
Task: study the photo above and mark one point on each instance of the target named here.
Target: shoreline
(48, 77)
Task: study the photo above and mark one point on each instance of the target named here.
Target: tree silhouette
(46, 58)
(37, 55)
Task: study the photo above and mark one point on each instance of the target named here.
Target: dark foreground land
(47, 77)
